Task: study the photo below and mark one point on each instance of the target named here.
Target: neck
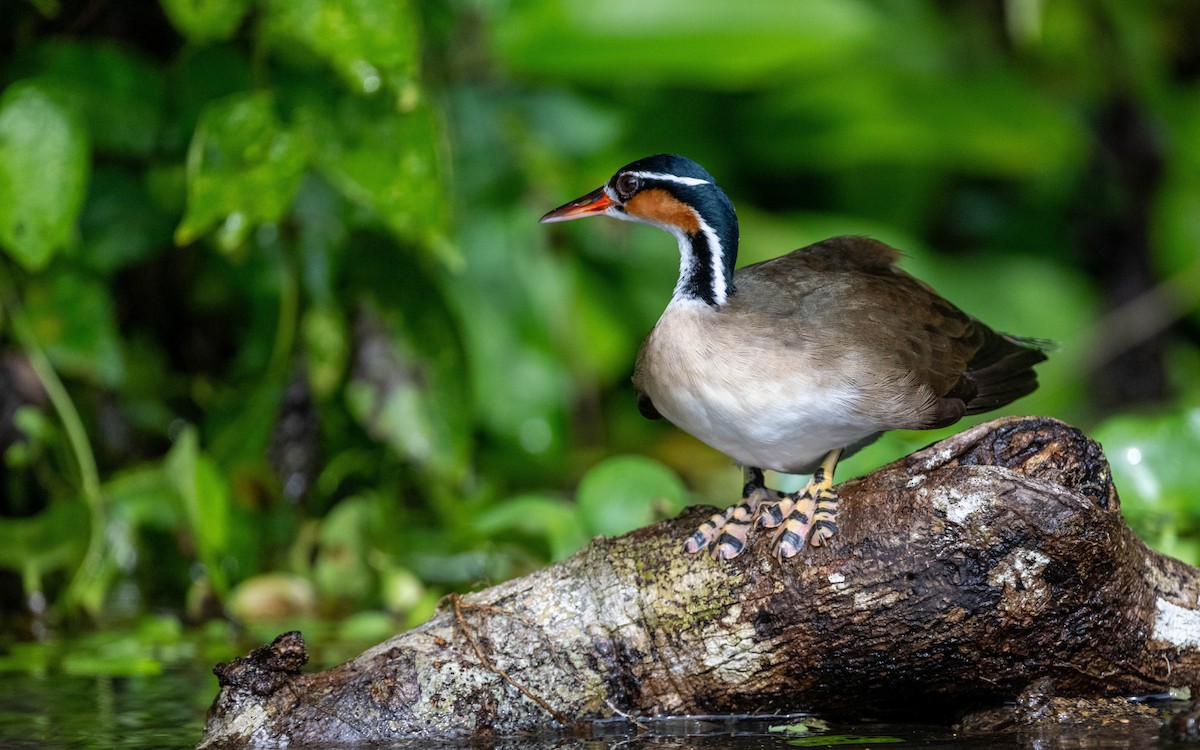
(706, 260)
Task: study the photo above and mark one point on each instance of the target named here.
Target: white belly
(783, 428)
(761, 407)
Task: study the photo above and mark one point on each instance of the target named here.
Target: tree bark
(959, 575)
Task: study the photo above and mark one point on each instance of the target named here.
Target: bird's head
(668, 191)
(678, 195)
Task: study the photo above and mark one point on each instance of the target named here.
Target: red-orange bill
(595, 202)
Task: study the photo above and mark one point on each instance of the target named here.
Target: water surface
(167, 711)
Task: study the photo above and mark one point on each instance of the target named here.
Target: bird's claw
(799, 518)
(791, 533)
(805, 517)
(724, 534)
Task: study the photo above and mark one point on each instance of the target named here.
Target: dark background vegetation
(280, 335)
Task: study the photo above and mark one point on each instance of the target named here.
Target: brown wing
(848, 288)
(972, 368)
(1000, 372)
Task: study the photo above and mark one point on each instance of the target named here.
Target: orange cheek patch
(661, 207)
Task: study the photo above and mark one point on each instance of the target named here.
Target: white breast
(763, 406)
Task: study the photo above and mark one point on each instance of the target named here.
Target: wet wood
(960, 575)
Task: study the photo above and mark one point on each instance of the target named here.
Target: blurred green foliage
(279, 333)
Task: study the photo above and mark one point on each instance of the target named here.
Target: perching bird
(791, 363)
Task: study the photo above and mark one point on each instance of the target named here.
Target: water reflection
(163, 711)
(167, 711)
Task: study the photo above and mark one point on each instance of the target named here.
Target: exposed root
(486, 663)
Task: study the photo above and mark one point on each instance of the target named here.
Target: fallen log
(960, 575)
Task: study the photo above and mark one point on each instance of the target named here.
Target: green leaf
(44, 165)
(407, 385)
(143, 497)
(1152, 457)
(206, 502)
(1176, 205)
(120, 95)
(322, 219)
(397, 412)
(327, 349)
(243, 166)
(366, 628)
(369, 42)
(623, 493)
(401, 590)
(342, 571)
(386, 161)
(600, 343)
(52, 540)
(206, 20)
(868, 117)
(120, 223)
(807, 726)
(72, 317)
(692, 42)
(121, 653)
(520, 374)
(570, 123)
(538, 516)
(119, 664)
(200, 76)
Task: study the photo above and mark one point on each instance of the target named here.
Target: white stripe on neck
(687, 261)
(720, 293)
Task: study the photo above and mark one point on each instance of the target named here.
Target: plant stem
(285, 331)
(81, 449)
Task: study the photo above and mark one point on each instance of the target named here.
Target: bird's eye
(628, 184)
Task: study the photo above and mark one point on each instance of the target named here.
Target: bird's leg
(724, 534)
(808, 515)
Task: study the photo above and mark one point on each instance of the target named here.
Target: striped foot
(770, 515)
(805, 517)
(824, 517)
(725, 533)
(796, 512)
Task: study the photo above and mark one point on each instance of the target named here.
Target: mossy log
(959, 576)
